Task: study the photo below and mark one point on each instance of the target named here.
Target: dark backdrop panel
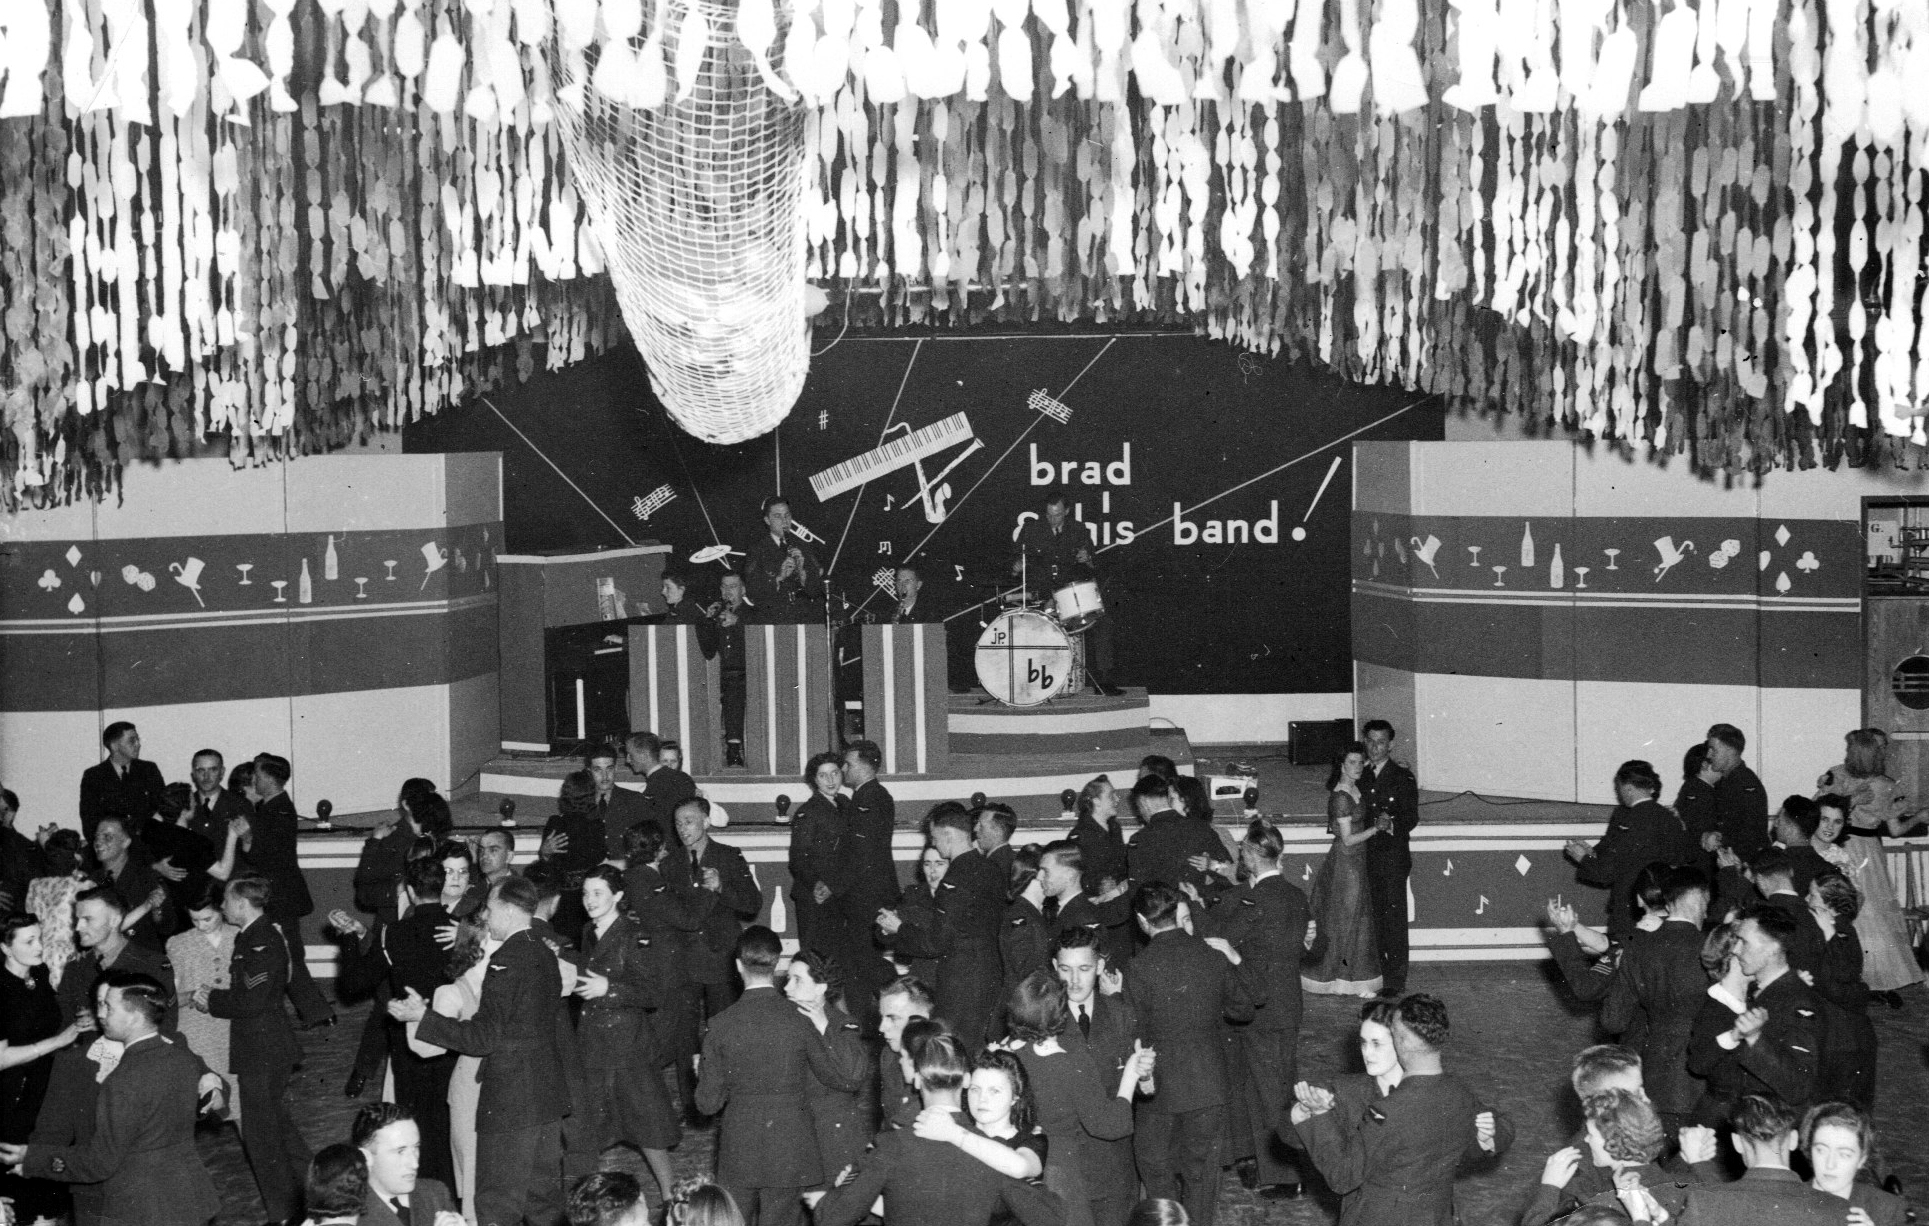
(1194, 613)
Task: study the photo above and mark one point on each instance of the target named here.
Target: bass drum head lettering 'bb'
(1023, 658)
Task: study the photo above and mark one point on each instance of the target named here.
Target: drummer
(1053, 552)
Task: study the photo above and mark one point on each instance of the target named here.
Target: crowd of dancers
(1089, 1031)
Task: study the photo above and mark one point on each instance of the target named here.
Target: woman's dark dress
(29, 1013)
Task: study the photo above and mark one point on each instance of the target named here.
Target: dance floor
(1512, 1037)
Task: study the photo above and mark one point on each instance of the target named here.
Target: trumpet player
(786, 581)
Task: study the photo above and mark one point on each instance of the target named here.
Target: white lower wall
(353, 749)
(1224, 719)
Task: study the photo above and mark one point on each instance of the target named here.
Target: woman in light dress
(201, 958)
(1341, 905)
(468, 962)
(1853, 841)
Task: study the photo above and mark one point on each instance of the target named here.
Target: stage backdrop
(1215, 484)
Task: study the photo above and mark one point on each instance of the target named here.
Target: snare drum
(1077, 605)
(1023, 658)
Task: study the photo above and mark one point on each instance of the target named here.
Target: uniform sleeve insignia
(1376, 1115)
(850, 1025)
(498, 966)
(59, 1166)
(1247, 902)
(255, 981)
(1798, 1047)
(1805, 1013)
(947, 885)
(1018, 921)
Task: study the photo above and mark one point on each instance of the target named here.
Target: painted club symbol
(1808, 564)
(48, 580)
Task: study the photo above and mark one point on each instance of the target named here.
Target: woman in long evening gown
(1888, 960)
(1341, 904)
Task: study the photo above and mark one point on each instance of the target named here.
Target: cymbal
(714, 553)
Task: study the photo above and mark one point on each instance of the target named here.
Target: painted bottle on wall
(1527, 545)
(305, 590)
(331, 565)
(1556, 570)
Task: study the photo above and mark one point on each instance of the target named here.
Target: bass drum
(1024, 658)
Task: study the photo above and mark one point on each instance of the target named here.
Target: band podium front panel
(677, 694)
(787, 708)
(906, 698)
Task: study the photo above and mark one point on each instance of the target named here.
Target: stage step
(1082, 723)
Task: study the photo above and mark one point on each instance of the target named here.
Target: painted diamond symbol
(1781, 535)
(1522, 865)
(73, 555)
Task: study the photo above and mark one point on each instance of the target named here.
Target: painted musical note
(960, 570)
(1482, 908)
(884, 547)
(889, 500)
(1447, 871)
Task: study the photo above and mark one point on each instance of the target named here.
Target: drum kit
(1031, 654)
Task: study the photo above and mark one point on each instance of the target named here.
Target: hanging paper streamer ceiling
(297, 222)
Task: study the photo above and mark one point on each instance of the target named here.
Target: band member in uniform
(519, 1119)
(755, 1060)
(786, 580)
(963, 935)
(681, 608)
(732, 616)
(262, 1046)
(1053, 552)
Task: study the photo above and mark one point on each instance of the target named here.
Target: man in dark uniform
(271, 853)
(404, 955)
(618, 808)
(1265, 920)
(263, 1046)
(215, 807)
(1061, 865)
(1163, 850)
(1777, 1039)
(126, 870)
(1741, 803)
(680, 608)
(21, 859)
(519, 1118)
(874, 886)
(1770, 881)
(1390, 799)
(785, 578)
(899, 1003)
(664, 787)
(714, 884)
(670, 926)
(123, 784)
(735, 613)
(1393, 1161)
(1053, 552)
(755, 1061)
(1793, 827)
(1183, 991)
(964, 934)
(141, 1150)
(1641, 831)
(1768, 1192)
(992, 825)
(98, 915)
(931, 1182)
(1106, 1028)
